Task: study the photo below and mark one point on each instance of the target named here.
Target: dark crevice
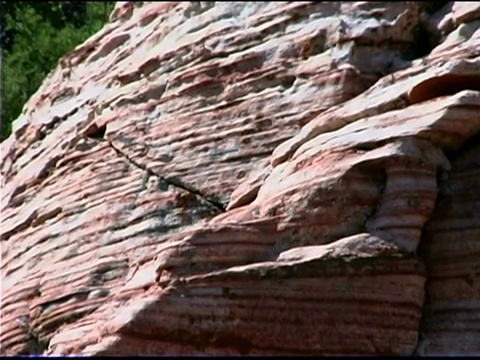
(471, 144)
(425, 38)
(424, 319)
(432, 7)
(18, 191)
(125, 79)
(149, 66)
(444, 85)
(469, 147)
(426, 314)
(95, 132)
(47, 169)
(314, 45)
(36, 344)
(40, 219)
(368, 146)
(79, 295)
(19, 226)
(47, 329)
(287, 81)
(170, 180)
(63, 95)
(423, 45)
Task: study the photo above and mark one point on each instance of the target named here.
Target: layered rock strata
(250, 178)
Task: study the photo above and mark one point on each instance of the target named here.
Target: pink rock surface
(288, 178)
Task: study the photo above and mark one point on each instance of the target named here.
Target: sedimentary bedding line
(173, 182)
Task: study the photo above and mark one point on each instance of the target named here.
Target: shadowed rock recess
(253, 178)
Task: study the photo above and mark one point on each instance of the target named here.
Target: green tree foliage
(34, 35)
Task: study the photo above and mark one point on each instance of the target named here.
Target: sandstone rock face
(250, 178)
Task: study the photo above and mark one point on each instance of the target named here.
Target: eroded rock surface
(250, 178)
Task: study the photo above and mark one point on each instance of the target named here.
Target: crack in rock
(169, 180)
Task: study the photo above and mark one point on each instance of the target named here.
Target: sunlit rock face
(253, 178)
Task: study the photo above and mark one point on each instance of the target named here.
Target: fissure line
(173, 182)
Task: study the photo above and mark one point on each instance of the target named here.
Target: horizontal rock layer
(249, 178)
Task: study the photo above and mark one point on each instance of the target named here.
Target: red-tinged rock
(289, 178)
(465, 12)
(222, 313)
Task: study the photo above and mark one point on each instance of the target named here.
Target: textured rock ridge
(253, 178)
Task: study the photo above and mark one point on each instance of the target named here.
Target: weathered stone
(288, 178)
